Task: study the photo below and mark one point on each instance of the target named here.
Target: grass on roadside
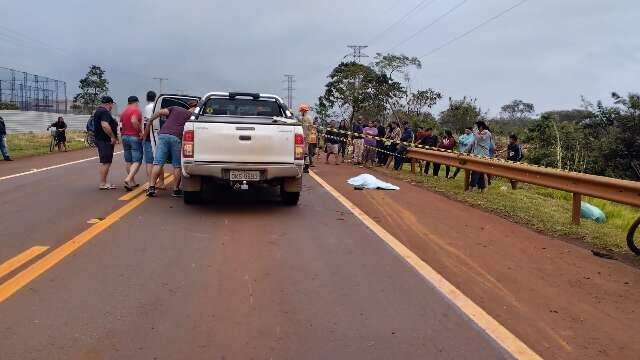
(546, 210)
(30, 144)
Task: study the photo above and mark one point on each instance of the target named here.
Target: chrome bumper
(221, 170)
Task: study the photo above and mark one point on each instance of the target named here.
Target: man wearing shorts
(169, 145)
(131, 119)
(106, 137)
(146, 142)
(332, 140)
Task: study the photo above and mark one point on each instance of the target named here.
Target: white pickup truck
(242, 139)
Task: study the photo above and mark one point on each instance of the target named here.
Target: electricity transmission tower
(357, 52)
(160, 79)
(290, 79)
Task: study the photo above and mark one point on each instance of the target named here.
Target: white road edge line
(51, 167)
(484, 321)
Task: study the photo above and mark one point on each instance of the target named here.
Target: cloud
(546, 52)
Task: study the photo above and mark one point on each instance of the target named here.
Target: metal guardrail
(616, 190)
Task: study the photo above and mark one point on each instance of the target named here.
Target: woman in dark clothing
(61, 136)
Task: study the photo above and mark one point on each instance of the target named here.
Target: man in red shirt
(131, 119)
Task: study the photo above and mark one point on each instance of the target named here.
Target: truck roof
(243, 94)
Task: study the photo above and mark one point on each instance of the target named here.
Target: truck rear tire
(192, 197)
(290, 198)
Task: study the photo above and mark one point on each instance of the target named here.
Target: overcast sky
(548, 52)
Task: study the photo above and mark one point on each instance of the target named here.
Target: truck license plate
(242, 175)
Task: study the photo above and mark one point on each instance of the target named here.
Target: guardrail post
(413, 166)
(575, 211)
(467, 179)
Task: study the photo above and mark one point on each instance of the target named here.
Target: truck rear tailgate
(221, 142)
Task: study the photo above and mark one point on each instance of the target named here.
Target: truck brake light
(299, 147)
(187, 144)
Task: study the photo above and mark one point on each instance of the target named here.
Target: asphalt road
(243, 277)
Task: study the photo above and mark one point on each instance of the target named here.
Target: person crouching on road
(169, 144)
(132, 131)
(106, 138)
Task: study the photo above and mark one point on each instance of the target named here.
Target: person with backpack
(515, 154)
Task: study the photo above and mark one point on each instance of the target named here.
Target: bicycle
(54, 139)
(631, 238)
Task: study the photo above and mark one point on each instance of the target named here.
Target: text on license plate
(243, 175)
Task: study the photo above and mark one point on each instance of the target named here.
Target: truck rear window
(241, 107)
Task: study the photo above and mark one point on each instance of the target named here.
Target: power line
(403, 18)
(428, 25)
(491, 19)
(10, 33)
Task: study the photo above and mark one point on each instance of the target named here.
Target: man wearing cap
(169, 144)
(131, 120)
(106, 137)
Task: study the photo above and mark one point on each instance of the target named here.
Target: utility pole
(160, 79)
(357, 52)
(290, 79)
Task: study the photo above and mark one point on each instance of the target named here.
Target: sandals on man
(130, 187)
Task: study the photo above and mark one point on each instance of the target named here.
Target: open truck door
(162, 102)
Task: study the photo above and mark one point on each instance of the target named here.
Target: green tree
(460, 114)
(392, 63)
(92, 87)
(355, 88)
(422, 100)
(517, 109)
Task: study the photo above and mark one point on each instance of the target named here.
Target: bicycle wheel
(52, 145)
(632, 242)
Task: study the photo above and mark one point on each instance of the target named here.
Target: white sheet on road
(371, 182)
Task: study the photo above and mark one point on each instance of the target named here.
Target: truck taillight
(188, 136)
(187, 144)
(299, 147)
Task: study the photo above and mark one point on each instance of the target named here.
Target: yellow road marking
(131, 194)
(26, 276)
(15, 262)
(488, 324)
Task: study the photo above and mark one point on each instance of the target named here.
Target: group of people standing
(136, 141)
(374, 144)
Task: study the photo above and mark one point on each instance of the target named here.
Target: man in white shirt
(146, 144)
